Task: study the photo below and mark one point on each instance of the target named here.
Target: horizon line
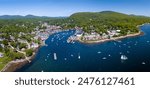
(68, 15)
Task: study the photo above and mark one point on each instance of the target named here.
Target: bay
(100, 57)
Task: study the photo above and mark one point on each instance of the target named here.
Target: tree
(5, 42)
(14, 44)
(29, 52)
(22, 45)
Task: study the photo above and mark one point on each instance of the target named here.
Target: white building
(1, 55)
(34, 45)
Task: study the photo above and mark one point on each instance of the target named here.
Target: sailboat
(71, 55)
(98, 52)
(143, 63)
(65, 58)
(78, 56)
(45, 59)
(124, 57)
(55, 56)
(104, 58)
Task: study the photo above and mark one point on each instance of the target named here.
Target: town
(80, 35)
(22, 46)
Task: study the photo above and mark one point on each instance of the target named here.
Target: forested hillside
(102, 21)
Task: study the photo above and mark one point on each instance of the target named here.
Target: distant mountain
(20, 17)
(31, 16)
(10, 16)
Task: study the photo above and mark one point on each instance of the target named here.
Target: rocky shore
(17, 64)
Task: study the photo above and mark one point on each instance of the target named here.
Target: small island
(21, 36)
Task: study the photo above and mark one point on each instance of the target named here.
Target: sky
(55, 8)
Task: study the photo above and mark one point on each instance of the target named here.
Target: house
(2, 45)
(21, 40)
(1, 39)
(34, 45)
(1, 55)
(12, 38)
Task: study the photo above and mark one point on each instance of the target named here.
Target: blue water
(100, 57)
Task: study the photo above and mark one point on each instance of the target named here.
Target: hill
(102, 21)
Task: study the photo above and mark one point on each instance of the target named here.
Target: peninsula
(95, 27)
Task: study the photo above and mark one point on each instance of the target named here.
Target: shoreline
(14, 65)
(112, 39)
(17, 64)
(140, 33)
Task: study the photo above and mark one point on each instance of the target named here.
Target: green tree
(29, 52)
